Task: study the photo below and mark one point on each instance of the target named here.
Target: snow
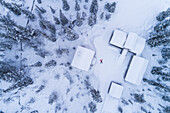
(118, 38)
(115, 90)
(83, 58)
(136, 70)
(137, 16)
(110, 104)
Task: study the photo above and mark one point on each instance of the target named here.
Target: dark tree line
(160, 38)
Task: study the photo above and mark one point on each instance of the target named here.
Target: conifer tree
(63, 19)
(66, 7)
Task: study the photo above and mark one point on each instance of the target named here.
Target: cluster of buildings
(130, 42)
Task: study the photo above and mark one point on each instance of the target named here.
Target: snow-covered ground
(62, 88)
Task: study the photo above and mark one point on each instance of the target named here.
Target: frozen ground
(61, 88)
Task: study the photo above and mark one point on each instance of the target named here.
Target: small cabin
(118, 38)
(82, 58)
(115, 90)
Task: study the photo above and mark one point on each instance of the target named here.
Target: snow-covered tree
(79, 21)
(77, 6)
(92, 107)
(94, 7)
(69, 33)
(163, 15)
(110, 7)
(52, 10)
(92, 20)
(161, 33)
(66, 7)
(39, 1)
(93, 13)
(63, 19)
(18, 9)
(96, 95)
(11, 7)
(41, 10)
(56, 19)
(24, 82)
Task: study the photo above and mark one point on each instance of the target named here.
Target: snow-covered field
(60, 88)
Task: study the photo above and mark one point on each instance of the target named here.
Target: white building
(136, 70)
(115, 90)
(82, 58)
(131, 42)
(112, 98)
(118, 39)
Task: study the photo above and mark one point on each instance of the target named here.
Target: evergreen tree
(110, 7)
(63, 19)
(160, 27)
(12, 8)
(8, 72)
(70, 34)
(18, 9)
(84, 16)
(86, 1)
(6, 20)
(28, 14)
(79, 21)
(93, 10)
(92, 20)
(160, 35)
(96, 95)
(24, 82)
(92, 107)
(52, 10)
(163, 15)
(77, 6)
(66, 7)
(94, 7)
(41, 10)
(39, 1)
(57, 21)
(166, 53)
(47, 25)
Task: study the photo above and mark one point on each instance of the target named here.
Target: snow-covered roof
(118, 38)
(82, 58)
(136, 70)
(135, 43)
(131, 40)
(115, 90)
(139, 46)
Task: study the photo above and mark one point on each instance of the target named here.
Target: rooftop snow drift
(82, 58)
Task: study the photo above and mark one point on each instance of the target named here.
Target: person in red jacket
(101, 61)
